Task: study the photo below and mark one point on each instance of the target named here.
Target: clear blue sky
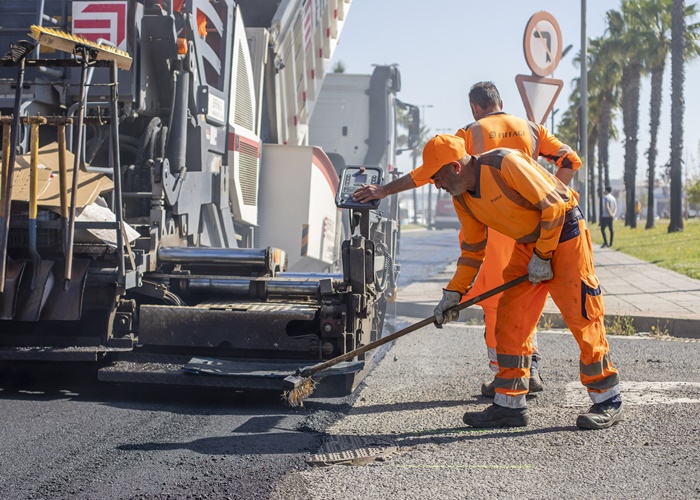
(442, 47)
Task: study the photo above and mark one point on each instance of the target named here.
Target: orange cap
(438, 151)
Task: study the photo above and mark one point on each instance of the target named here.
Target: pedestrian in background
(608, 215)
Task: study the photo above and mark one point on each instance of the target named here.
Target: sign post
(542, 44)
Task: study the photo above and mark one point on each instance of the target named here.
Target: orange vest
(517, 197)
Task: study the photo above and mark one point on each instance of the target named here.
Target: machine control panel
(351, 179)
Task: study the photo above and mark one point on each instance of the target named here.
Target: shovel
(65, 303)
(14, 269)
(300, 385)
(41, 281)
(10, 271)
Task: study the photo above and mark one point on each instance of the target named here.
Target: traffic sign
(538, 95)
(542, 43)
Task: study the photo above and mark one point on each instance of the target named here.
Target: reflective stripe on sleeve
(466, 261)
(473, 247)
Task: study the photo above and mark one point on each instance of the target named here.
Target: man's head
(484, 99)
(444, 159)
(608, 189)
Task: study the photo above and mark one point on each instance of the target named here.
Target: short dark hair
(484, 94)
(608, 189)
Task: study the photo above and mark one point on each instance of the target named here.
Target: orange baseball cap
(438, 151)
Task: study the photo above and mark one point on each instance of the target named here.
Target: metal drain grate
(353, 450)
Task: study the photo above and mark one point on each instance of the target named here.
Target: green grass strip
(678, 252)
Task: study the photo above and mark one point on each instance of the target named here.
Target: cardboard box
(90, 185)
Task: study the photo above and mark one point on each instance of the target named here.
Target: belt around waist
(570, 228)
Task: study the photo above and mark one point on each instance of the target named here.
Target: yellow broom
(66, 42)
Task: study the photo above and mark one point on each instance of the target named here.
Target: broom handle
(412, 328)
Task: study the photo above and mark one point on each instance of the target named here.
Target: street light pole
(584, 112)
(415, 191)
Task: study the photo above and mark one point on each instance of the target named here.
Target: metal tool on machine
(36, 290)
(13, 270)
(301, 385)
(85, 51)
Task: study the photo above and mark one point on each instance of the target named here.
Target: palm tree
(685, 45)
(655, 14)
(677, 111)
(604, 99)
(629, 38)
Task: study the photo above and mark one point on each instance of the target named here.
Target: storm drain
(353, 450)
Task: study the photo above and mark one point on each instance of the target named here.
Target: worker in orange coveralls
(508, 191)
(494, 129)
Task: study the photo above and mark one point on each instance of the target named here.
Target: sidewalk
(644, 293)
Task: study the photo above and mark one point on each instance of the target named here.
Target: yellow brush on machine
(301, 384)
(66, 42)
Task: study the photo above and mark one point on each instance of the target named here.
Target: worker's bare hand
(368, 193)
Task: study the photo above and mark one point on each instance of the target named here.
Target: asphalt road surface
(64, 436)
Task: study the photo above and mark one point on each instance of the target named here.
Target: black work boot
(601, 415)
(488, 390)
(498, 416)
(535, 381)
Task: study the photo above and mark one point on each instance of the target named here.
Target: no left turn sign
(542, 43)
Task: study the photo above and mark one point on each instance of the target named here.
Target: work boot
(498, 416)
(535, 381)
(488, 391)
(601, 415)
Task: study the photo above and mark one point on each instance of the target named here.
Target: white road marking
(640, 393)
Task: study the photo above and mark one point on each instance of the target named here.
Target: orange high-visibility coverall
(519, 198)
(501, 130)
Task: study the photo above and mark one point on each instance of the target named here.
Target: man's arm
(565, 175)
(376, 192)
(472, 246)
(558, 153)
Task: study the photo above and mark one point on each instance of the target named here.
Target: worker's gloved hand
(539, 269)
(449, 299)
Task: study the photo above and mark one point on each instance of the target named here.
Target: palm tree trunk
(657, 77)
(592, 210)
(631, 82)
(677, 111)
(603, 155)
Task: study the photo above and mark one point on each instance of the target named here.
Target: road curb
(675, 327)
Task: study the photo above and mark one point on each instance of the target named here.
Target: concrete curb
(675, 327)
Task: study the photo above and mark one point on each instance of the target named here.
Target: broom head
(66, 42)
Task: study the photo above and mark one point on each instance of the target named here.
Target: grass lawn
(679, 252)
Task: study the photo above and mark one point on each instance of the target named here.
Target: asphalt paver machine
(166, 217)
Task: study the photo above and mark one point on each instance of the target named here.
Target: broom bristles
(296, 396)
(19, 51)
(65, 41)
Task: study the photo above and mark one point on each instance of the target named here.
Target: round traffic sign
(542, 43)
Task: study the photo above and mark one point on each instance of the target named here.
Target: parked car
(445, 215)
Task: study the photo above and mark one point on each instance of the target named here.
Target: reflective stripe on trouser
(576, 292)
(499, 249)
